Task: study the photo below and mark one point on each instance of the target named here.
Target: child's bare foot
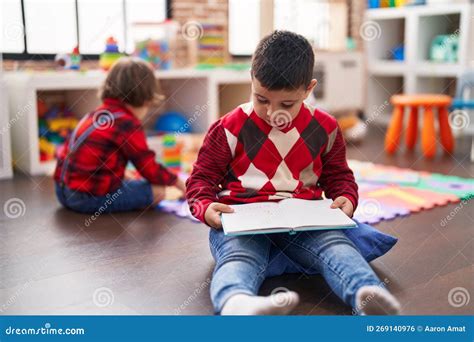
(280, 303)
(375, 300)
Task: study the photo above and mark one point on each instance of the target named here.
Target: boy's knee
(334, 240)
(240, 249)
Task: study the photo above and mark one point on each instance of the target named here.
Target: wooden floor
(155, 263)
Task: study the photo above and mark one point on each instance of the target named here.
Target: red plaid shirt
(98, 165)
(244, 160)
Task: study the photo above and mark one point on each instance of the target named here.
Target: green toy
(444, 48)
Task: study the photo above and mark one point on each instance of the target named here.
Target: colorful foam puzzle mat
(386, 192)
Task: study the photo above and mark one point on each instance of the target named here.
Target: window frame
(25, 55)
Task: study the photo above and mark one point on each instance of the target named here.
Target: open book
(288, 215)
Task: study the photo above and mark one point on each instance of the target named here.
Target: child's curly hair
(132, 81)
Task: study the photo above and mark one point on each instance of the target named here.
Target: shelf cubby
(431, 26)
(380, 89)
(436, 85)
(387, 33)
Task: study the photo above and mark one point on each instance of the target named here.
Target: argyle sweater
(243, 160)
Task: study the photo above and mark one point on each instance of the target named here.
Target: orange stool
(428, 134)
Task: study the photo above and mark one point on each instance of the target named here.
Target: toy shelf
(202, 96)
(416, 27)
(195, 93)
(393, 31)
(433, 25)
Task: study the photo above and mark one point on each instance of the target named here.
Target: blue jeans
(132, 195)
(241, 262)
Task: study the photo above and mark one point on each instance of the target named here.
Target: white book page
(314, 213)
(253, 216)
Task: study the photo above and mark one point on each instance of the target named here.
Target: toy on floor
(171, 153)
(172, 122)
(110, 55)
(460, 187)
(386, 192)
(372, 173)
(353, 129)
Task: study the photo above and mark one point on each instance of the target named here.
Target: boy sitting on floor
(91, 167)
(272, 148)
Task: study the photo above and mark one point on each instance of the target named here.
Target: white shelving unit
(5, 123)
(202, 95)
(415, 27)
(191, 92)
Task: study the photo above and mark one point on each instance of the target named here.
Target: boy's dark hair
(283, 60)
(132, 81)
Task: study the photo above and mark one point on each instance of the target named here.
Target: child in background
(272, 148)
(91, 166)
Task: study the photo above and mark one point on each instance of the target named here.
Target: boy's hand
(159, 194)
(212, 215)
(345, 204)
(180, 185)
(129, 174)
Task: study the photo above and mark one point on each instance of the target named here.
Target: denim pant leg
(241, 262)
(332, 254)
(132, 195)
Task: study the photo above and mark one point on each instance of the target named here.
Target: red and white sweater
(243, 159)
